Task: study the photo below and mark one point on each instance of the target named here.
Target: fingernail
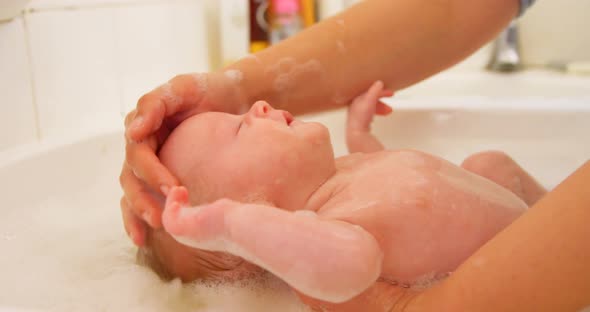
(165, 189)
(137, 122)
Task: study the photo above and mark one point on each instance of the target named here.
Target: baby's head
(263, 156)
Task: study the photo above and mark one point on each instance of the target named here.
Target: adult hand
(381, 297)
(143, 178)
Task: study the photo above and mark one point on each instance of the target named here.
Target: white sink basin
(525, 84)
(540, 118)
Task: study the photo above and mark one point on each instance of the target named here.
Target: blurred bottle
(286, 20)
(309, 12)
(258, 25)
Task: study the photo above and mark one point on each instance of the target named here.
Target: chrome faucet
(506, 53)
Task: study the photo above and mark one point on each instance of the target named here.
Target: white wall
(74, 68)
(71, 68)
(17, 112)
(556, 31)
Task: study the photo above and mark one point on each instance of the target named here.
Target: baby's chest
(399, 201)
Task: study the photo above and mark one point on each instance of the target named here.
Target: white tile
(56, 4)
(556, 31)
(76, 82)
(156, 42)
(17, 114)
(11, 8)
(234, 28)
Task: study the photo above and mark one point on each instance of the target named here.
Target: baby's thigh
(500, 168)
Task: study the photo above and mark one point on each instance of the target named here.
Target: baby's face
(263, 155)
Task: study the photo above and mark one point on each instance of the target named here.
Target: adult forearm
(539, 263)
(398, 41)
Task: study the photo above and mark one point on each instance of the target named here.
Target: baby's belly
(430, 231)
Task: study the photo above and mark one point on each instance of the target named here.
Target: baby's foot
(192, 226)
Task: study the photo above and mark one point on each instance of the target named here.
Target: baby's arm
(325, 259)
(360, 115)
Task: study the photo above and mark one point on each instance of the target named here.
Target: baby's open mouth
(288, 118)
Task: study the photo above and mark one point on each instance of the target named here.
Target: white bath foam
(235, 75)
(201, 81)
(168, 95)
(62, 255)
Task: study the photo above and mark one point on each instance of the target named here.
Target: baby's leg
(503, 170)
(325, 259)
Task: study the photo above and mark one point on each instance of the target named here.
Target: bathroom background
(73, 68)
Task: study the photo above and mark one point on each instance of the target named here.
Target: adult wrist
(248, 77)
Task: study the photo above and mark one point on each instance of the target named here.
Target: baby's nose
(260, 109)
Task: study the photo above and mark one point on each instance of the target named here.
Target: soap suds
(200, 81)
(339, 98)
(235, 75)
(428, 280)
(252, 57)
(168, 96)
(481, 187)
(288, 73)
(44, 253)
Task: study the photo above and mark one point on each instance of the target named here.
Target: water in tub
(72, 255)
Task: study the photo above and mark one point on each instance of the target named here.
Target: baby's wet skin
(357, 175)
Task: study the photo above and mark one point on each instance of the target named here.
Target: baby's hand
(360, 116)
(364, 107)
(193, 226)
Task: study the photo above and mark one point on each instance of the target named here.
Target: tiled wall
(17, 112)
(73, 68)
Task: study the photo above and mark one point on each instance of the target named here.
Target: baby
(274, 198)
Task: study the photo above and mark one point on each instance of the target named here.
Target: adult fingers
(140, 201)
(134, 226)
(145, 164)
(180, 94)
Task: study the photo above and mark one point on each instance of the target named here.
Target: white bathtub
(62, 243)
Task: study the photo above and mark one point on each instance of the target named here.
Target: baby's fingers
(383, 109)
